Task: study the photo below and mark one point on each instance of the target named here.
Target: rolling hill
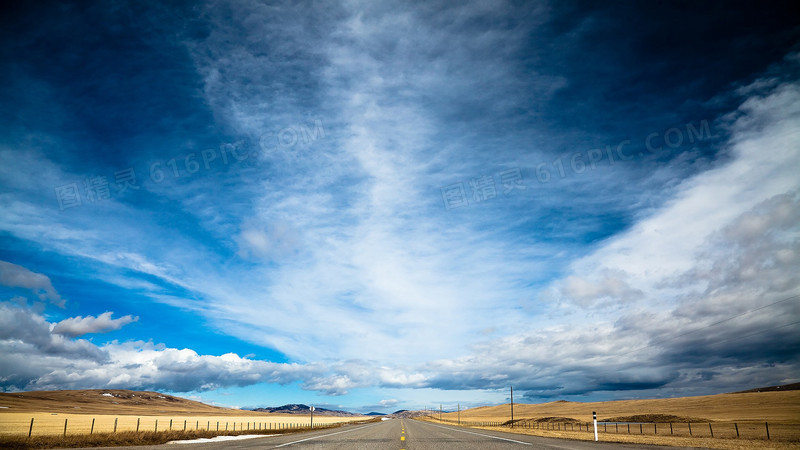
(113, 401)
(773, 406)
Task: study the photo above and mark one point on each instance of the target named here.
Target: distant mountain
(303, 409)
(375, 414)
(404, 413)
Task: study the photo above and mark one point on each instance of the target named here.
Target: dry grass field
(777, 407)
(665, 420)
(109, 401)
(149, 411)
(53, 423)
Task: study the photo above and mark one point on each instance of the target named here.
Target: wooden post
(115, 424)
(217, 426)
(91, 430)
(767, 426)
(737, 429)
(629, 428)
(30, 430)
(156, 425)
(65, 427)
(670, 428)
(640, 428)
(690, 427)
(170, 424)
(711, 429)
(137, 423)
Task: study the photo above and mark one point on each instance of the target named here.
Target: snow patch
(106, 394)
(221, 438)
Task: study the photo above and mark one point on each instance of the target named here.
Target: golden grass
(772, 407)
(53, 423)
(675, 441)
(116, 401)
(128, 438)
(748, 411)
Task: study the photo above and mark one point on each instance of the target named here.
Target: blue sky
(376, 206)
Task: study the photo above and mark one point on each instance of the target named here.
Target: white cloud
(78, 326)
(702, 293)
(34, 357)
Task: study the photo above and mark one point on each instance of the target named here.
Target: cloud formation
(275, 176)
(13, 275)
(78, 326)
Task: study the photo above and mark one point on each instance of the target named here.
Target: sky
(376, 206)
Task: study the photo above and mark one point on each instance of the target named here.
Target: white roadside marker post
(312, 416)
(594, 419)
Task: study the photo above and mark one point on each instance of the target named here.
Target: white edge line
(324, 435)
(484, 435)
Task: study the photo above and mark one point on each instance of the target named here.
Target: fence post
(737, 429)
(91, 430)
(30, 430)
(170, 424)
(115, 424)
(670, 428)
(629, 428)
(711, 430)
(690, 427)
(767, 426)
(65, 427)
(137, 423)
(156, 425)
(640, 428)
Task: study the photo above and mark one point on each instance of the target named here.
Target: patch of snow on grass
(221, 438)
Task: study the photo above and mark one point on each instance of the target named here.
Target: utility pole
(512, 406)
(440, 412)
(459, 414)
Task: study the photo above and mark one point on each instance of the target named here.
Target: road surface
(397, 434)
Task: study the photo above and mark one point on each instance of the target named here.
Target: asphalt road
(398, 434)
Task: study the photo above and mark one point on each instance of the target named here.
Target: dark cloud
(13, 275)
